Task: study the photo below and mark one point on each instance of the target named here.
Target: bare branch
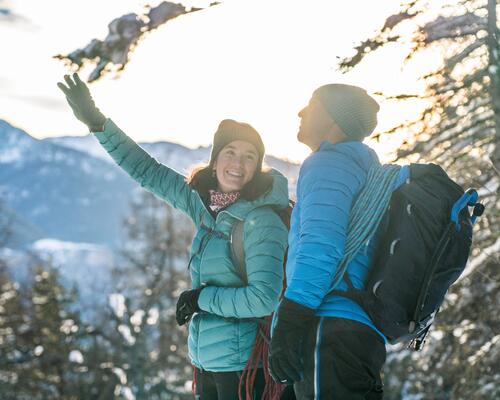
(451, 62)
(363, 49)
(454, 86)
(394, 20)
(404, 96)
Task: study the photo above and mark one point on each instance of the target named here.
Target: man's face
(315, 123)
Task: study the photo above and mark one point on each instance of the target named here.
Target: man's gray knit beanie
(354, 110)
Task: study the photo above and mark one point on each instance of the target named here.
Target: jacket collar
(276, 197)
(360, 153)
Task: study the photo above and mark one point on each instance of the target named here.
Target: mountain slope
(71, 190)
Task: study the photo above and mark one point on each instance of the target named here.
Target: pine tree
(460, 130)
(39, 338)
(460, 127)
(149, 350)
(14, 349)
(53, 329)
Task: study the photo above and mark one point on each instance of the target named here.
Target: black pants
(224, 385)
(342, 360)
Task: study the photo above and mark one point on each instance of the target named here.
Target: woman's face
(235, 165)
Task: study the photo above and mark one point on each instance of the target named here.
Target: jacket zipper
(207, 237)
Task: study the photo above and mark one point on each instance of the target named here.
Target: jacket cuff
(111, 137)
(108, 127)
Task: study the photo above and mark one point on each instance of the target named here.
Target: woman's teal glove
(79, 98)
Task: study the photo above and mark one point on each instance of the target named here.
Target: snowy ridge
(70, 189)
(181, 158)
(15, 144)
(85, 144)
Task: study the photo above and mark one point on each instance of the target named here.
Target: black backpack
(425, 239)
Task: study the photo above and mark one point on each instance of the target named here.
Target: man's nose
(301, 112)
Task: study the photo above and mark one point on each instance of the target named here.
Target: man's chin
(300, 136)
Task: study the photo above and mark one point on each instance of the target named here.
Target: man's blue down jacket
(329, 182)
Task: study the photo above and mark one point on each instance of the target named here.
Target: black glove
(285, 351)
(187, 305)
(79, 98)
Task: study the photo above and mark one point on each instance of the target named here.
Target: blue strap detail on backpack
(468, 199)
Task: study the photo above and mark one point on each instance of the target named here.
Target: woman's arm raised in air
(159, 179)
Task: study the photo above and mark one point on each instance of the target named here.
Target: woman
(232, 187)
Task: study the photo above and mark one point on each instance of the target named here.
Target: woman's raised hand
(80, 100)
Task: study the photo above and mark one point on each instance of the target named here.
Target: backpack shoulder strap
(236, 241)
(238, 250)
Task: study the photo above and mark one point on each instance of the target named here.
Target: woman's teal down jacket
(220, 339)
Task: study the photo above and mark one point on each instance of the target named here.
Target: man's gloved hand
(79, 98)
(285, 351)
(187, 305)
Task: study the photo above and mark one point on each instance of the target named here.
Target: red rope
(193, 385)
(258, 358)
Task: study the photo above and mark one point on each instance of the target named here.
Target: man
(326, 344)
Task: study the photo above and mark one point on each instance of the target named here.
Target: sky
(256, 61)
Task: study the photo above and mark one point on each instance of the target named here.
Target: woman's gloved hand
(80, 100)
(187, 305)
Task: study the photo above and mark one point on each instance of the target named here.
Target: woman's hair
(202, 180)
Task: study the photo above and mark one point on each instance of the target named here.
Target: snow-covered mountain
(181, 158)
(69, 189)
(64, 201)
(65, 193)
(15, 229)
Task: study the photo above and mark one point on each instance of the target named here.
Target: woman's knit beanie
(230, 130)
(354, 110)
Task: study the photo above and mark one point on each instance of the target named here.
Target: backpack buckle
(469, 198)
